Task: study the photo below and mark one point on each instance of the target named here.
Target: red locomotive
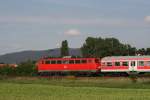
(68, 65)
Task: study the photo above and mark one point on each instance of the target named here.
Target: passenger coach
(68, 64)
(126, 64)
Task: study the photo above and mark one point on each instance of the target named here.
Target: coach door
(132, 65)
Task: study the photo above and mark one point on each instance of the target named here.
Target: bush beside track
(23, 69)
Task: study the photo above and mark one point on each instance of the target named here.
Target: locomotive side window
(47, 62)
(141, 63)
(117, 63)
(84, 61)
(53, 61)
(125, 64)
(71, 61)
(66, 62)
(77, 61)
(59, 62)
(109, 63)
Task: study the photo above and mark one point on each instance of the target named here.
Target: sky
(43, 24)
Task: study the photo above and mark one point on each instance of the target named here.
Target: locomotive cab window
(117, 63)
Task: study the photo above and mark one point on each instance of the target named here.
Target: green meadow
(70, 88)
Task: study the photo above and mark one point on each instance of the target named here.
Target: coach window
(84, 61)
(148, 63)
(132, 63)
(59, 62)
(47, 62)
(109, 63)
(53, 62)
(141, 63)
(117, 63)
(77, 61)
(103, 63)
(71, 61)
(125, 64)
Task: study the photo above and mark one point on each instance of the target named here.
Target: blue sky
(43, 24)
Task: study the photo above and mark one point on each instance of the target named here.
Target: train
(110, 64)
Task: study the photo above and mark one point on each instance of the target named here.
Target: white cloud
(147, 18)
(72, 32)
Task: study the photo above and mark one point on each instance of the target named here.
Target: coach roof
(125, 58)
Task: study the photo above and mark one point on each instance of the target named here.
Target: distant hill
(23, 56)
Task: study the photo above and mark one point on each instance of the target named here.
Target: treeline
(101, 47)
(23, 69)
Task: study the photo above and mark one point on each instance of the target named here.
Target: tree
(142, 51)
(148, 51)
(64, 48)
(7, 70)
(26, 69)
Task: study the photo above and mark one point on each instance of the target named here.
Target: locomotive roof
(66, 58)
(126, 58)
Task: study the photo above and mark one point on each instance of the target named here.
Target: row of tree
(101, 47)
(23, 69)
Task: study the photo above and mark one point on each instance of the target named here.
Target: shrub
(7, 70)
(26, 69)
(23, 69)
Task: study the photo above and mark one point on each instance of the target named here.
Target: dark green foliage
(64, 48)
(148, 51)
(143, 51)
(24, 69)
(99, 47)
(7, 70)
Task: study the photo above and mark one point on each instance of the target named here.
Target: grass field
(25, 88)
